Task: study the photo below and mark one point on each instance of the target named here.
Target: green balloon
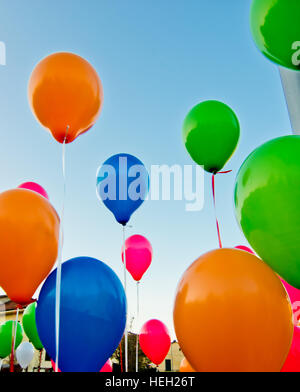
(29, 325)
(6, 337)
(275, 29)
(267, 204)
(211, 133)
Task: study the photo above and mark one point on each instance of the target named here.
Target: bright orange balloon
(185, 367)
(65, 91)
(231, 313)
(29, 234)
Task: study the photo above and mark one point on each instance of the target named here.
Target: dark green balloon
(6, 337)
(29, 325)
(211, 133)
(275, 27)
(267, 204)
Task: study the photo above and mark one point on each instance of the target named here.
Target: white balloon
(25, 354)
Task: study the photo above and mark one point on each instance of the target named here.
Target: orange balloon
(29, 234)
(231, 313)
(66, 95)
(185, 367)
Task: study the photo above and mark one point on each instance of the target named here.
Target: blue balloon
(92, 315)
(122, 185)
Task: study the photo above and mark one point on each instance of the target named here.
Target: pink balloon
(294, 295)
(292, 363)
(33, 186)
(53, 365)
(138, 255)
(107, 367)
(245, 248)
(155, 340)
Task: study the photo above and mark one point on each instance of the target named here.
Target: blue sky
(156, 60)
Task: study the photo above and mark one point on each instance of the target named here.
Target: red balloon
(155, 340)
(292, 363)
(245, 248)
(107, 367)
(54, 367)
(138, 255)
(33, 186)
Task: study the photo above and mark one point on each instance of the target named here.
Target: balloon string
(40, 361)
(14, 336)
(137, 324)
(214, 200)
(121, 358)
(59, 261)
(125, 289)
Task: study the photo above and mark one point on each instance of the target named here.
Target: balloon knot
(19, 306)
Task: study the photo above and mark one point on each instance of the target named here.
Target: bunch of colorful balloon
(66, 96)
(232, 313)
(122, 185)
(223, 311)
(67, 104)
(225, 318)
(138, 256)
(93, 304)
(267, 185)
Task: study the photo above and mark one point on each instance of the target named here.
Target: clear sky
(156, 60)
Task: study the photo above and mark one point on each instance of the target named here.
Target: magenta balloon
(292, 362)
(294, 295)
(54, 366)
(138, 256)
(33, 186)
(155, 340)
(107, 367)
(245, 248)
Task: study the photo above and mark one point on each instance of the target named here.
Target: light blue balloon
(92, 315)
(122, 185)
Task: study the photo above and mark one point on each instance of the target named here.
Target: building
(41, 361)
(173, 359)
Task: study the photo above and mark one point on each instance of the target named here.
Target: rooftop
(6, 305)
